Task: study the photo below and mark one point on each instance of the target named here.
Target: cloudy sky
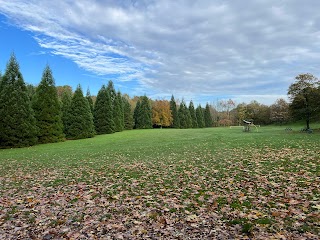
(201, 50)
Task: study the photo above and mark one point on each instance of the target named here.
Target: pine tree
(113, 94)
(103, 118)
(207, 116)
(47, 110)
(174, 112)
(200, 117)
(184, 116)
(18, 125)
(118, 113)
(144, 115)
(65, 106)
(31, 91)
(136, 114)
(80, 120)
(89, 98)
(128, 116)
(193, 115)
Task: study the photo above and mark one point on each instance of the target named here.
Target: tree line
(46, 113)
(33, 115)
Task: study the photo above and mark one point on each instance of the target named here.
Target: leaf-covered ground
(196, 192)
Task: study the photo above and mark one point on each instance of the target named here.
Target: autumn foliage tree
(279, 111)
(161, 113)
(304, 94)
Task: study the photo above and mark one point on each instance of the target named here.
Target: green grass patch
(138, 181)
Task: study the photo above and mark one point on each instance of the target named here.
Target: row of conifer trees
(40, 116)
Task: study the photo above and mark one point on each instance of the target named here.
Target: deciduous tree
(279, 111)
(161, 113)
(304, 95)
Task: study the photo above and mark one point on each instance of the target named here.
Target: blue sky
(197, 50)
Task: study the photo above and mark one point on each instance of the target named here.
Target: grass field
(165, 184)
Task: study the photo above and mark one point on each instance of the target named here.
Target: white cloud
(189, 48)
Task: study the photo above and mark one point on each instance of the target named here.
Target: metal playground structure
(247, 126)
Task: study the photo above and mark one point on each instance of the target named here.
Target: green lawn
(165, 183)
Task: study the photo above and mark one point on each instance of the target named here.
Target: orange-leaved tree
(161, 113)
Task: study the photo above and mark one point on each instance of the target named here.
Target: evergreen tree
(136, 114)
(47, 110)
(207, 116)
(113, 94)
(193, 115)
(103, 119)
(89, 98)
(18, 125)
(128, 117)
(80, 120)
(184, 116)
(31, 91)
(174, 112)
(118, 111)
(144, 115)
(200, 117)
(65, 106)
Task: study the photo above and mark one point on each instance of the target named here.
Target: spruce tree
(118, 112)
(80, 120)
(89, 98)
(193, 115)
(207, 116)
(103, 118)
(174, 113)
(136, 114)
(144, 114)
(47, 110)
(200, 117)
(18, 125)
(65, 106)
(113, 94)
(184, 116)
(128, 116)
(121, 112)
